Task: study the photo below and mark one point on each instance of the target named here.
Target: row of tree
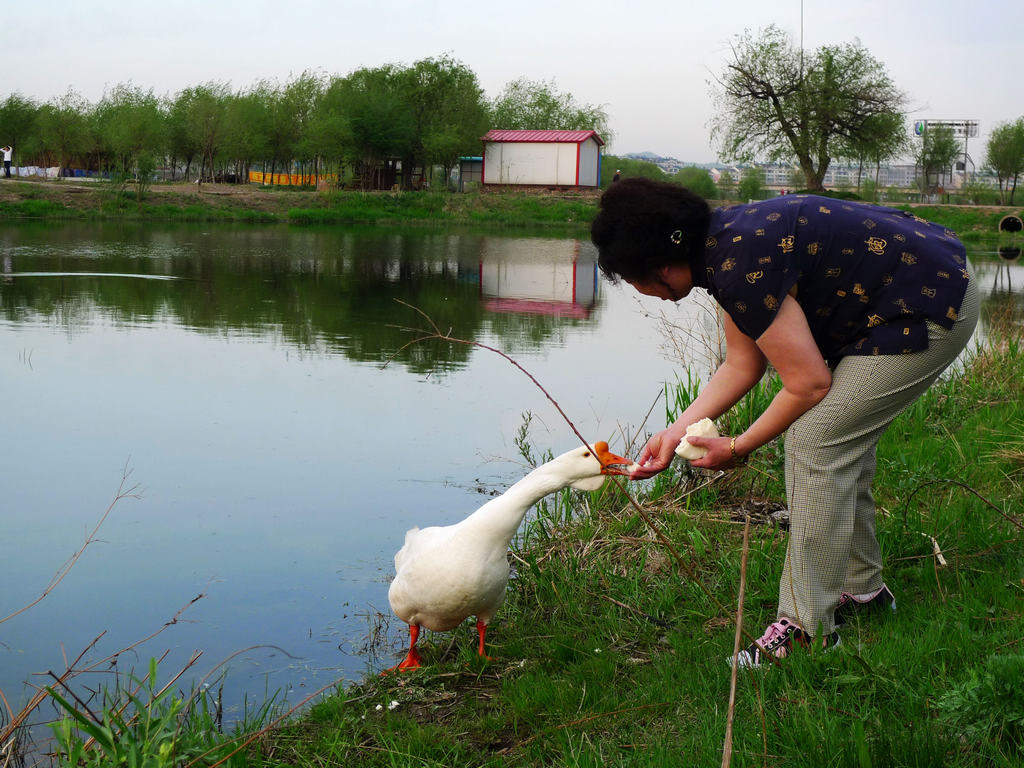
(774, 101)
(424, 115)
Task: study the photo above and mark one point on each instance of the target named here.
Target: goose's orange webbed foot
(412, 658)
(481, 630)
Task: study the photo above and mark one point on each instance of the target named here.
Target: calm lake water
(238, 373)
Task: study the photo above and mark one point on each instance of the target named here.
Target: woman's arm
(742, 368)
(806, 378)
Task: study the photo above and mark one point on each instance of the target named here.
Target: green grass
(34, 208)
(611, 653)
(504, 209)
(569, 210)
(969, 222)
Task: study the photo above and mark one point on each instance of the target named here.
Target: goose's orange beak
(609, 460)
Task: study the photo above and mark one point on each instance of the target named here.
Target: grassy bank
(71, 200)
(612, 652)
(182, 202)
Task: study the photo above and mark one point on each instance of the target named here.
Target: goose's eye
(586, 455)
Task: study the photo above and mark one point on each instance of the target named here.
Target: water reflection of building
(545, 277)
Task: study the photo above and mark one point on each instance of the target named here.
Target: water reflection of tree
(1001, 298)
(330, 292)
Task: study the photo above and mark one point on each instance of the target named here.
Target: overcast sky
(647, 62)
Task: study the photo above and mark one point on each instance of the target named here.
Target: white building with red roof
(542, 158)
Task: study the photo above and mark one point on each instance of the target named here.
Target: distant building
(542, 158)
(471, 171)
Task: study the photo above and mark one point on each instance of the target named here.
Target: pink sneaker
(849, 605)
(778, 640)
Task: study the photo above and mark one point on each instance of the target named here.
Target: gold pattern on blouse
(737, 238)
(869, 224)
(813, 248)
(908, 258)
(786, 243)
(775, 216)
(929, 292)
(876, 245)
(943, 274)
(886, 280)
(833, 271)
(728, 264)
(753, 277)
(874, 320)
(859, 289)
(741, 306)
(759, 232)
(771, 302)
(764, 260)
(711, 243)
(802, 220)
(952, 314)
(823, 209)
(899, 236)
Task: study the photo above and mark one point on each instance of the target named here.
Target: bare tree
(777, 103)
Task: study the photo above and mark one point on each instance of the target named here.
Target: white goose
(445, 573)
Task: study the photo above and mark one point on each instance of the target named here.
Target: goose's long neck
(502, 516)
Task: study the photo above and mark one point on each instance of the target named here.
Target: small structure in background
(471, 171)
(542, 158)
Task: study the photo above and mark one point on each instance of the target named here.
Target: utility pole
(801, 40)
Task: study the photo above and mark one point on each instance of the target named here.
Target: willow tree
(374, 123)
(18, 116)
(131, 125)
(883, 138)
(776, 102)
(204, 110)
(448, 111)
(63, 125)
(532, 104)
(1005, 156)
(935, 156)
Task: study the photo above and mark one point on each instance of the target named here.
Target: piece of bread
(703, 428)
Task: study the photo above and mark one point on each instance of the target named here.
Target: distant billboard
(962, 129)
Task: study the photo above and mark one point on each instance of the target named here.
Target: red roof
(566, 137)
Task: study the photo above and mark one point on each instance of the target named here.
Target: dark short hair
(643, 225)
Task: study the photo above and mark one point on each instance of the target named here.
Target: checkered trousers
(830, 465)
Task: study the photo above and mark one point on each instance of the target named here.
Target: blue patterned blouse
(866, 277)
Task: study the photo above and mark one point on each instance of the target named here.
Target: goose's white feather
(445, 573)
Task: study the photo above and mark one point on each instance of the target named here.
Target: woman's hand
(659, 452)
(661, 449)
(719, 455)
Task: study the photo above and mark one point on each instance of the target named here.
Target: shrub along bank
(568, 209)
